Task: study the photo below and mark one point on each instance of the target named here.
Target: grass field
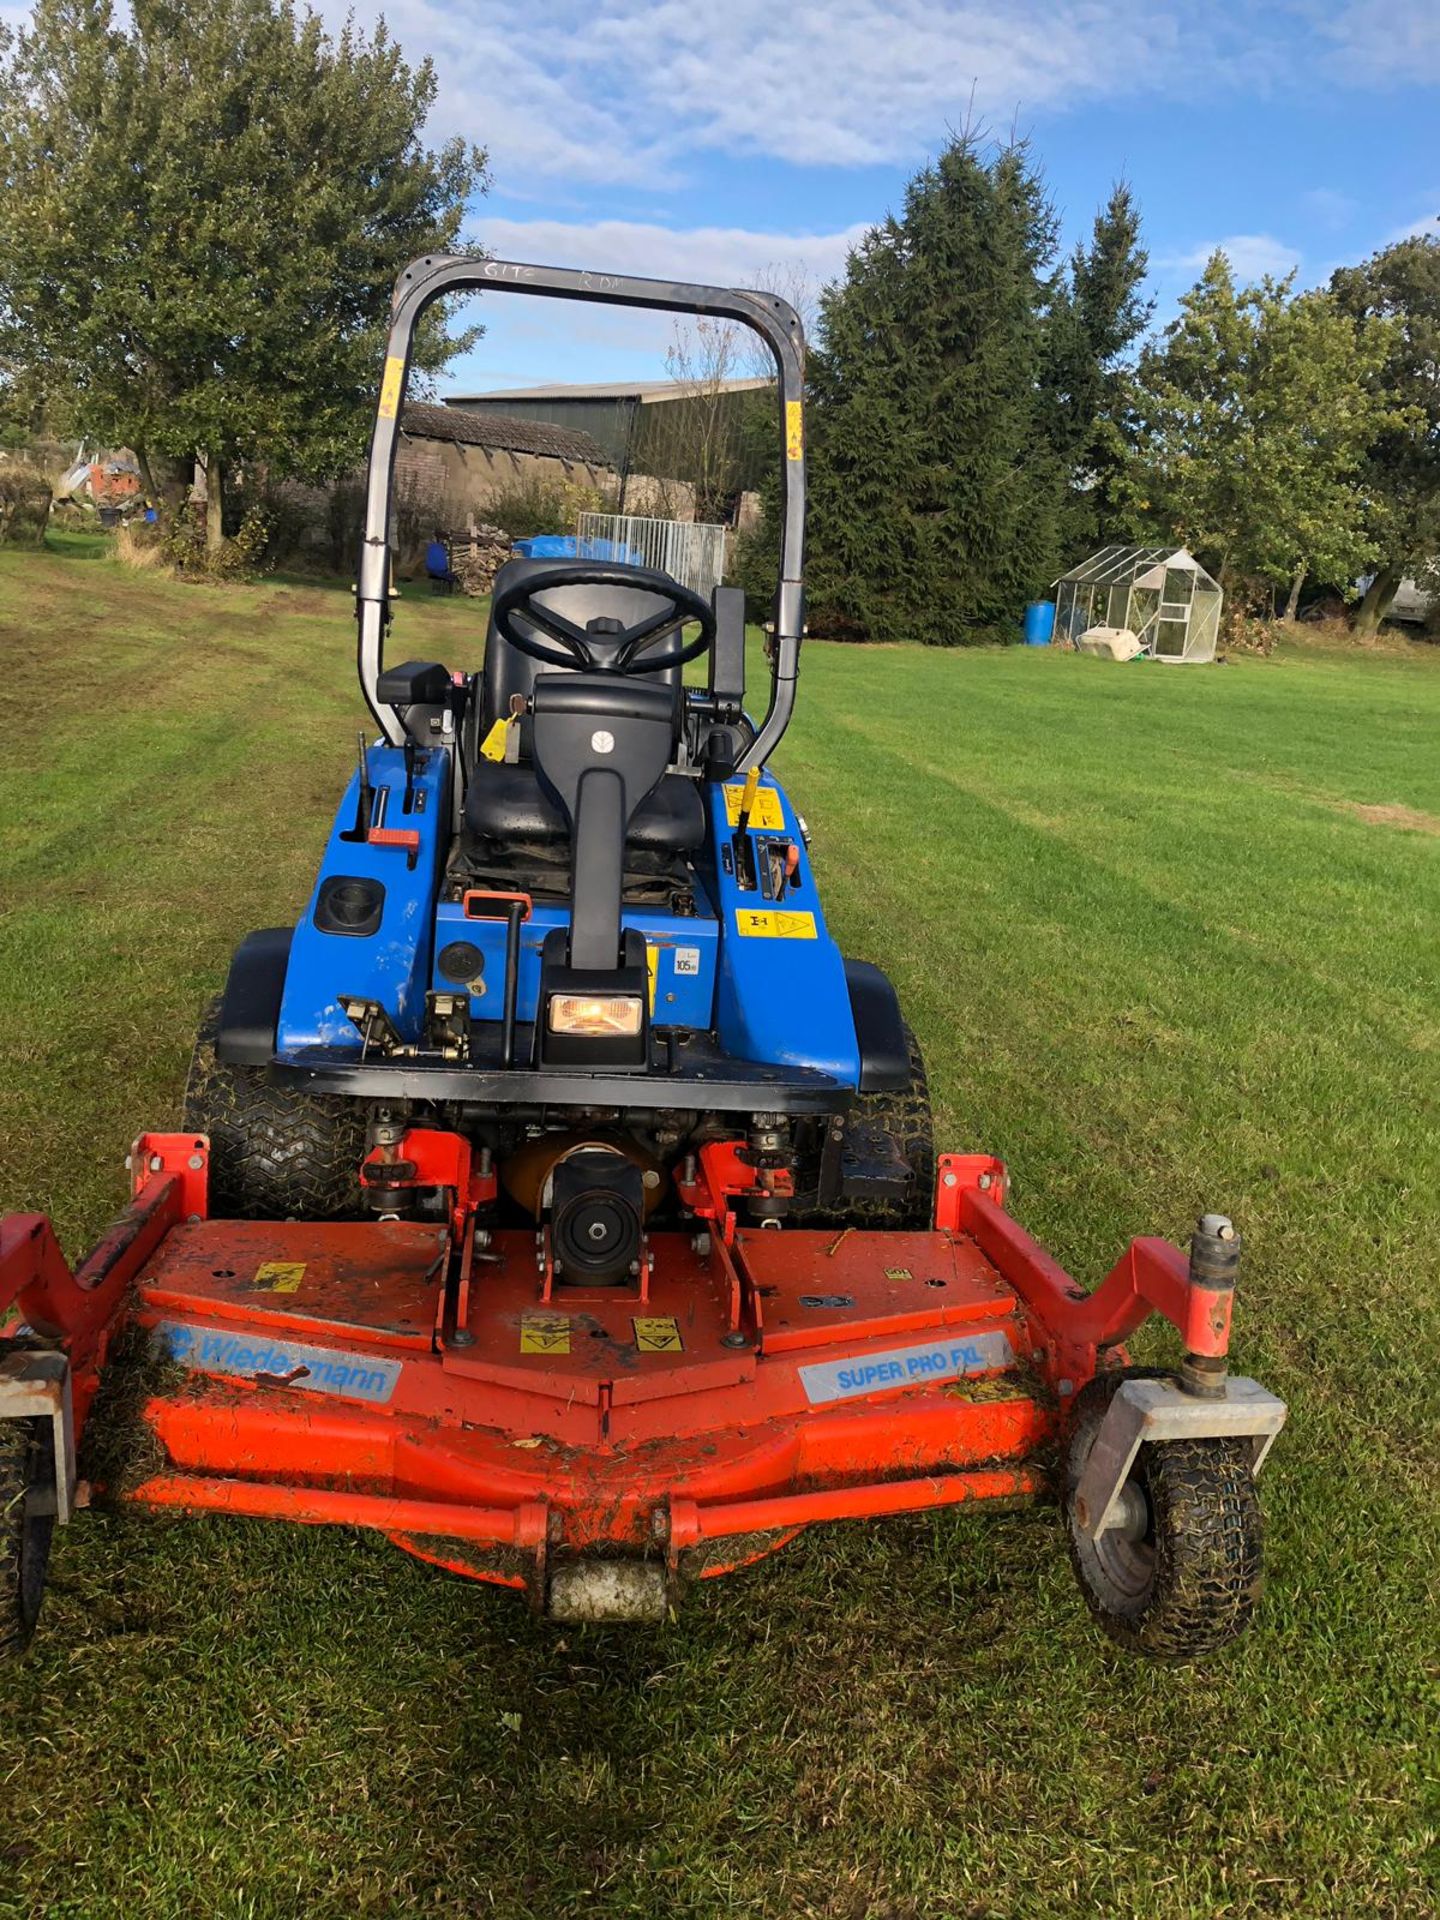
(1169, 940)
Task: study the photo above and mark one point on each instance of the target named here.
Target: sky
(732, 141)
(728, 142)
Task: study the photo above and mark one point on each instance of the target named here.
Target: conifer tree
(936, 490)
(1096, 315)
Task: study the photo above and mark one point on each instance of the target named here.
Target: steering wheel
(626, 650)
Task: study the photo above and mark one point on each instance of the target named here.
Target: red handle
(506, 899)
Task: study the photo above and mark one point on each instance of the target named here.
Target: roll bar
(431, 278)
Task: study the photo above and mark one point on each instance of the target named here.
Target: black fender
(879, 1029)
(250, 1004)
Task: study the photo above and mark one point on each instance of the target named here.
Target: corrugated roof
(643, 390)
(501, 431)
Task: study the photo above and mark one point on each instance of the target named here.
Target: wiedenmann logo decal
(315, 1369)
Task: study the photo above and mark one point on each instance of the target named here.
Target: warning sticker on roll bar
(949, 1358)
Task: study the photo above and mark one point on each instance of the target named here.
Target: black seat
(505, 803)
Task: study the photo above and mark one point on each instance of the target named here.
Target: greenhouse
(1161, 597)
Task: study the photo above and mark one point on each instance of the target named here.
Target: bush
(542, 506)
(24, 505)
(141, 547)
(178, 546)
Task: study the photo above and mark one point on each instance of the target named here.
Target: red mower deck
(594, 1447)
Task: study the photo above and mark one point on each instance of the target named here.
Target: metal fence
(693, 555)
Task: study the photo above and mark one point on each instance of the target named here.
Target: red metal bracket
(722, 1173)
(1073, 1326)
(186, 1156)
(430, 1157)
(958, 1174)
(77, 1309)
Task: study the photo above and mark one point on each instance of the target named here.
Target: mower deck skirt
(437, 1382)
(867, 1373)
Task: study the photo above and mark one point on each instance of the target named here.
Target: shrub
(542, 506)
(141, 547)
(24, 504)
(178, 546)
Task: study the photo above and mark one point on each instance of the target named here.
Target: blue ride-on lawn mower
(555, 1198)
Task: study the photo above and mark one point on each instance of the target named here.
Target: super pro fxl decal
(948, 1358)
(353, 1376)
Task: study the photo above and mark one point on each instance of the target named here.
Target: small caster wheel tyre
(1179, 1575)
(24, 1534)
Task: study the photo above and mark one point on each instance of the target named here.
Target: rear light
(600, 1016)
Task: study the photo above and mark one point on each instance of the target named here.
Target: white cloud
(629, 91)
(570, 342)
(717, 256)
(1333, 209)
(1251, 257)
(1426, 223)
(1380, 42)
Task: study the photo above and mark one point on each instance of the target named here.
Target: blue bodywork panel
(755, 964)
(392, 965)
(681, 950)
(781, 995)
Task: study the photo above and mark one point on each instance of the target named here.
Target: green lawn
(1163, 954)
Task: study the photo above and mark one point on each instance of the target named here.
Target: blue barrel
(1039, 623)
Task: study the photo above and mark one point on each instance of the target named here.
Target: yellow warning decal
(765, 813)
(390, 387)
(898, 1273)
(280, 1276)
(658, 1336)
(770, 923)
(544, 1333)
(493, 745)
(794, 430)
(652, 968)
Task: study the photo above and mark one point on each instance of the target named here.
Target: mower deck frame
(595, 1447)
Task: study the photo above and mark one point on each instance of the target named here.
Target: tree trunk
(1376, 604)
(166, 479)
(1292, 605)
(214, 506)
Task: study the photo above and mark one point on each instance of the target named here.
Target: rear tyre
(24, 1537)
(1179, 1577)
(904, 1116)
(275, 1152)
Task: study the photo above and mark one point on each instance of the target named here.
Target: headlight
(596, 1016)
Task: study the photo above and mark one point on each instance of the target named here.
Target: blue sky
(722, 142)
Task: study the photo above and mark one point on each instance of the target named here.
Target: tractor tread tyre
(906, 1117)
(276, 1152)
(1203, 1544)
(24, 1538)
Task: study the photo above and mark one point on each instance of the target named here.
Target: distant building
(449, 469)
(647, 428)
(458, 461)
(451, 466)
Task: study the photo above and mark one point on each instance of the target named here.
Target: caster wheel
(1178, 1575)
(24, 1535)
